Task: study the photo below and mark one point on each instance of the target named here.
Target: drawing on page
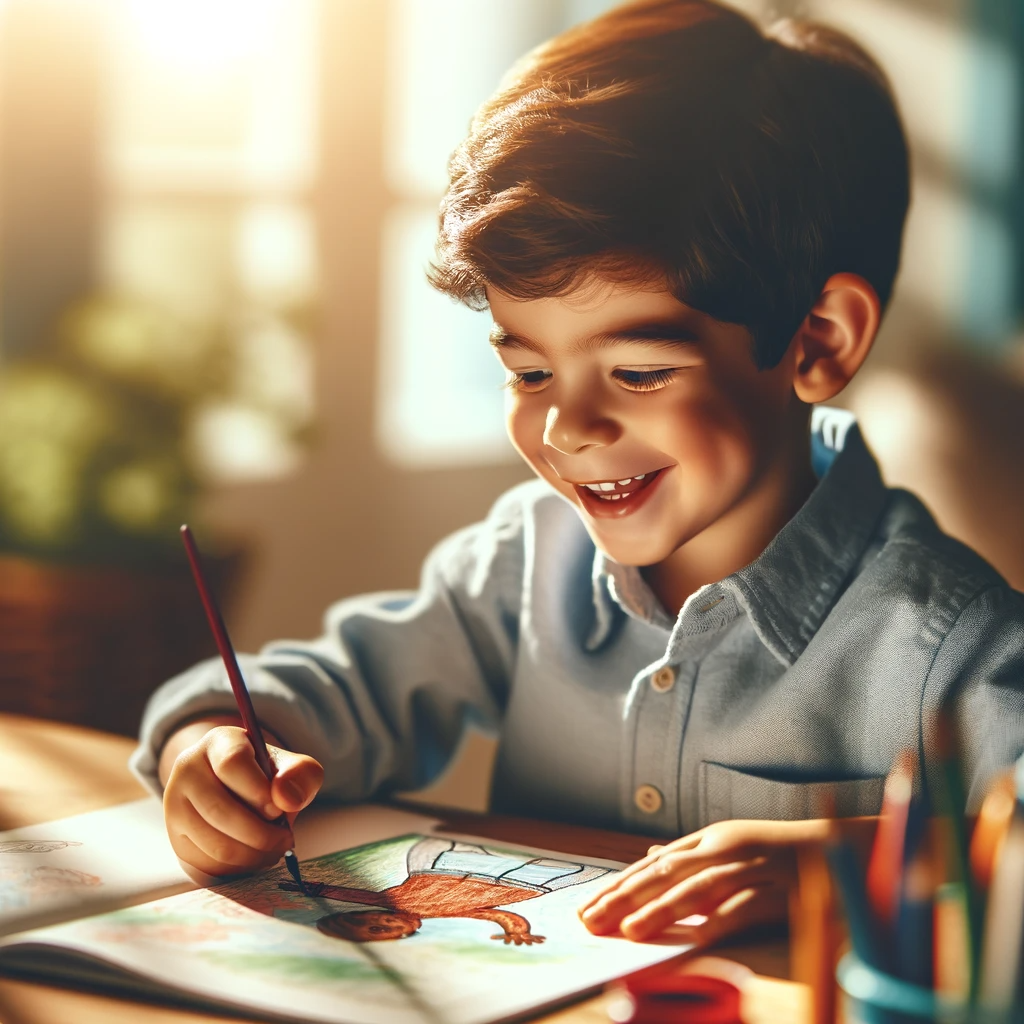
(21, 885)
(36, 845)
(445, 878)
(459, 907)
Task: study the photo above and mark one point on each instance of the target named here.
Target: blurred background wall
(222, 209)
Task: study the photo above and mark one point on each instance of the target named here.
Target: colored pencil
(903, 918)
(814, 934)
(238, 687)
(915, 920)
(1003, 948)
(847, 873)
(952, 966)
(1004, 924)
(991, 828)
(885, 868)
(952, 803)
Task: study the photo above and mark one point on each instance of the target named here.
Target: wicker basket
(88, 645)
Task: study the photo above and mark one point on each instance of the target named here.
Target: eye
(528, 380)
(645, 380)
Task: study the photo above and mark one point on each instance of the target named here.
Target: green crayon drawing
(296, 968)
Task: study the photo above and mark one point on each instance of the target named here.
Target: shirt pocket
(727, 793)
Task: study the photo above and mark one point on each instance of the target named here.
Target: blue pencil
(915, 923)
(849, 878)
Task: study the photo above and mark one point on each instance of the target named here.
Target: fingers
(219, 807)
(655, 875)
(699, 894)
(688, 842)
(621, 879)
(702, 877)
(232, 760)
(228, 853)
(217, 804)
(298, 779)
(749, 908)
(615, 882)
(193, 857)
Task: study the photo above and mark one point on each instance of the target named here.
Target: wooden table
(50, 770)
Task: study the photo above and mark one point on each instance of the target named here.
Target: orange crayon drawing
(447, 878)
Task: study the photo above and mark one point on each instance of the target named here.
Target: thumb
(297, 781)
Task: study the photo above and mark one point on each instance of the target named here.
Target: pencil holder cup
(873, 997)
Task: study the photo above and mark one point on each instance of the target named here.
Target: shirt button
(648, 799)
(664, 679)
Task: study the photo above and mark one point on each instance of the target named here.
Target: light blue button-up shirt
(796, 679)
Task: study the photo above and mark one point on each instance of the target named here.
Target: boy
(698, 623)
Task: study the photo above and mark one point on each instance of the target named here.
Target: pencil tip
(292, 863)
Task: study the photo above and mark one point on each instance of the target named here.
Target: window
(440, 396)
(956, 79)
(209, 161)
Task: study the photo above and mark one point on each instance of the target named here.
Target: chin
(639, 551)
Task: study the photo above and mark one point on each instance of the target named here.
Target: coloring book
(401, 923)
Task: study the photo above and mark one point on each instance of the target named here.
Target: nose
(570, 428)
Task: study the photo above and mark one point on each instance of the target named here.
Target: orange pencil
(952, 952)
(1004, 926)
(815, 934)
(992, 826)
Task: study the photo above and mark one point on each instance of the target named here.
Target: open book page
(85, 864)
(121, 855)
(416, 928)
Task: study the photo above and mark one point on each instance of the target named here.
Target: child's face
(649, 417)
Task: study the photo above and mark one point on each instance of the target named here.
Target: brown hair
(362, 926)
(675, 140)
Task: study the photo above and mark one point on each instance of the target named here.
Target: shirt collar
(790, 588)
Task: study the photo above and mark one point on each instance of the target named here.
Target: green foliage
(94, 456)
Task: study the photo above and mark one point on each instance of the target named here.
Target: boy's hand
(219, 807)
(736, 874)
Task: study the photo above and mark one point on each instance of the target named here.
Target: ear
(835, 338)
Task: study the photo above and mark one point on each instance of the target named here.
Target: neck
(738, 537)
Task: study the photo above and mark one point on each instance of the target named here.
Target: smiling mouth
(617, 497)
(616, 490)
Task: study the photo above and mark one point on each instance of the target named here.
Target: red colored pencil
(238, 687)
(227, 655)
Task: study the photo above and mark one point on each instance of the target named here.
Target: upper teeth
(609, 485)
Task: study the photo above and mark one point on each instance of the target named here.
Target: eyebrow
(653, 333)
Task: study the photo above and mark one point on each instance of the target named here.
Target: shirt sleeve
(978, 672)
(382, 697)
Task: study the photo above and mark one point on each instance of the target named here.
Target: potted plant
(99, 465)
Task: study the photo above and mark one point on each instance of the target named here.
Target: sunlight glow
(203, 37)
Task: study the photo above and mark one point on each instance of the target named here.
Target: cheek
(707, 435)
(524, 421)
